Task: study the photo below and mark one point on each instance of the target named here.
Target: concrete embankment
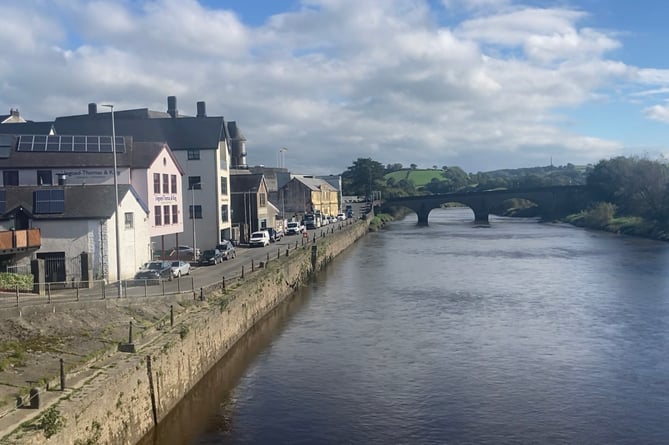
(123, 403)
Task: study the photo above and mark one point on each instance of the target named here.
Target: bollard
(253, 267)
(130, 333)
(223, 284)
(314, 241)
(179, 284)
(77, 293)
(104, 290)
(17, 295)
(34, 398)
(171, 315)
(163, 281)
(48, 291)
(62, 375)
(296, 244)
(267, 258)
(146, 288)
(278, 253)
(201, 294)
(286, 251)
(242, 271)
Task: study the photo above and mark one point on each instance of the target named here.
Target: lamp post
(118, 219)
(192, 188)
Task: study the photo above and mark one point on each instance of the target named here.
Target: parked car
(155, 270)
(211, 256)
(180, 268)
(187, 252)
(259, 238)
(294, 228)
(227, 249)
(274, 235)
(341, 217)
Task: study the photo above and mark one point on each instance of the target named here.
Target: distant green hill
(419, 177)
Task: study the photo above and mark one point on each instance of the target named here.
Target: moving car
(211, 256)
(294, 228)
(155, 270)
(180, 268)
(259, 239)
(227, 249)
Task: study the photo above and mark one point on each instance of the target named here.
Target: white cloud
(333, 80)
(658, 113)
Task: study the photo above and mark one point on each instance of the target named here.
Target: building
(308, 194)
(148, 168)
(201, 145)
(251, 210)
(78, 224)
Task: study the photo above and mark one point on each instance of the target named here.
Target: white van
(259, 238)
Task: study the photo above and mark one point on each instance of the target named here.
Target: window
(224, 213)
(173, 182)
(198, 212)
(156, 183)
(224, 185)
(158, 215)
(3, 201)
(166, 215)
(193, 155)
(175, 214)
(49, 201)
(10, 177)
(129, 220)
(44, 177)
(194, 183)
(262, 199)
(166, 183)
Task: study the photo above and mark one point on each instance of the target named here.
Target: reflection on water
(517, 333)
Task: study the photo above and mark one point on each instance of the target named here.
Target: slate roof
(180, 133)
(315, 183)
(245, 182)
(26, 128)
(81, 202)
(138, 155)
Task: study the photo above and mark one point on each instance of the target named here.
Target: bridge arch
(551, 201)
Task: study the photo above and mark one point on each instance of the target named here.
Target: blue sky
(481, 84)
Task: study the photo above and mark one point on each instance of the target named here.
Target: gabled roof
(314, 183)
(81, 202)
(137, 155)
(245, 182)
(181, 133)
(26, 128)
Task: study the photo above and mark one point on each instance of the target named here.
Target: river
(520, 332)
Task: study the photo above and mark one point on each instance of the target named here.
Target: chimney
(172, 106)
(62, 179)
(201, 109)
(14, 112)
(92, 109)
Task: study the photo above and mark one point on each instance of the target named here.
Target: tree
(362, 177)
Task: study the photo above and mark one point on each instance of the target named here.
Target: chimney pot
(201, 109)
(172, 106)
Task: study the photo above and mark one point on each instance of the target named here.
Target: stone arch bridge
(552, 201)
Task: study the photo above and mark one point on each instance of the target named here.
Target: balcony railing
(20, 239)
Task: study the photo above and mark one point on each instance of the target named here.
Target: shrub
(9, 281)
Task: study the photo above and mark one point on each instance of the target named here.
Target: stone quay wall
(121, 404)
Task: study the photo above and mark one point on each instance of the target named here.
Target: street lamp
(118, 218)
(192, 188)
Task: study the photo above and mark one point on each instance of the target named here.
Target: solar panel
(49, 201)
(69, 144)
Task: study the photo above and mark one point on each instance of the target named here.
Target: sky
(478, 84)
